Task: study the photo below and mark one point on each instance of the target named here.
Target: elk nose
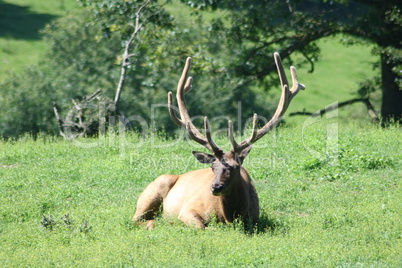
(217, 189)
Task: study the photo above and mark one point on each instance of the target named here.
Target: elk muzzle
(217, 189)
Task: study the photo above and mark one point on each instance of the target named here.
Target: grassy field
(330, 194)
(20, 24)
(330, 189)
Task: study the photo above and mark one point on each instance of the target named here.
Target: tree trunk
(391, 108)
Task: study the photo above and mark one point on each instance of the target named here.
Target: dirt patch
(8, 166)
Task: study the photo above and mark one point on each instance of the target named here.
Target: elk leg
(151, 199)
(192, 218)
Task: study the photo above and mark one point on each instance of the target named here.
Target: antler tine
(296, 85)
(243, 145)
(184, 86)
(203, 141)
(173, 116)
(172, 113)
(231, 136)
(286, 97)
(216, 150)
(188, 86)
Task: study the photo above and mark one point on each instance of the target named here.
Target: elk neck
(235, 201)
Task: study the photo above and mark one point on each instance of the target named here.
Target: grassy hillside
(20, 23)
(336, 75)
(328, 199)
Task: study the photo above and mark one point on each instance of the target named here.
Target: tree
(69, 70)
(84, 55)
(161, 48)
(254, 29)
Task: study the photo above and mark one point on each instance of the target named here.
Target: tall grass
(329, 197)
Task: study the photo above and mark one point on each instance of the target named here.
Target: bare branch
(79, 118)
(365, 101)
(310, 61)
(59, 121)
(94, 95)
(127, 55)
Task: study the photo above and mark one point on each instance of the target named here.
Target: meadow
(20, 24)
(330, 188)
(330, 194)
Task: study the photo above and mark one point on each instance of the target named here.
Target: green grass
(20, 24)
(330, 190)
(325, 204)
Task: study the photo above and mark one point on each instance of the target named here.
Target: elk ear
(242, 155)
(203, 157)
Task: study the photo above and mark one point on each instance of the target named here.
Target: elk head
(227, 166)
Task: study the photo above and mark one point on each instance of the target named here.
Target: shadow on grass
(267, 224)
(20, 23)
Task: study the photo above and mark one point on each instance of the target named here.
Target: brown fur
(225, 190)
(188, 197)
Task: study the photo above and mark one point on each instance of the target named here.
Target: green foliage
(121, 15)
(253, 30)
(71, 70)
(231, 47)
(85, 55)
(70, 204)
(22, 108)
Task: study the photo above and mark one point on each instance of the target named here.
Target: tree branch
(294, 46)
(126, 55)
(366, 101)
(310, 61)
(59, 121)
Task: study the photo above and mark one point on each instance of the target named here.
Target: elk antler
(183, 87)
(185, 121)
(286, 97)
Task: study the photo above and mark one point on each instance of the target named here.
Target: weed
(68, 222)
(312, 163)
(85, 228)
(48, 222)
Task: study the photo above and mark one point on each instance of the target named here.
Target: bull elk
(224, 191)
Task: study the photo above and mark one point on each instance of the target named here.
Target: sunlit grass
(323, 204)
(20, 22)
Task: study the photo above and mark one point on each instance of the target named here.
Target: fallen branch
(81, 116)
(59, 121)
(95, 95)
(366, 101)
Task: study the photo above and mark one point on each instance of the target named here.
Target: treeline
(231, 42)
(84, 55)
